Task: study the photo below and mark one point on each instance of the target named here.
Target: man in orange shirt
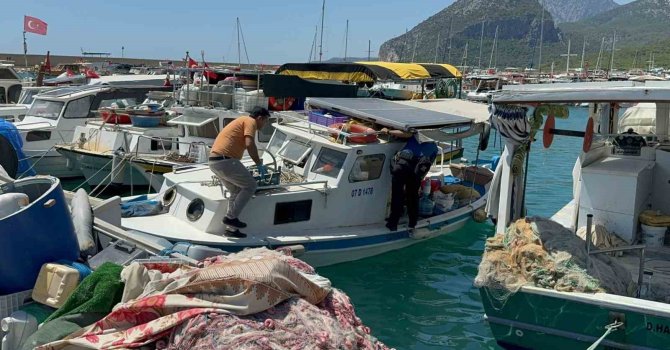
(224, 161)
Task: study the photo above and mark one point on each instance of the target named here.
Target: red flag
(192, 63)
(91, 74)
(210, 74)
(47, 63)
(34, 25)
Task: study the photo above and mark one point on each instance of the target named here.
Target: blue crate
(145, 121)
(326, 118)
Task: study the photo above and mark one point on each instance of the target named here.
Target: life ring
(281, 103)
(355, 129)
(547, 135)
(484, 137)
(588, 136)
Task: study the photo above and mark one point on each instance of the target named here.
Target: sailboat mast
(346, 41)
(312, 50)
(481, 45)
(323, 13)
(239, 50)
(437, 47)
(493, 48)
(539, 61)
(600, 53)
(464, 62)
(613, 48)
(583, 52)
(451, 35)
(416, 40)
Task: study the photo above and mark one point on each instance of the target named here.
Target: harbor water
(423, 297)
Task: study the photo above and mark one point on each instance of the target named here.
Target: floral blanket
(255, 299)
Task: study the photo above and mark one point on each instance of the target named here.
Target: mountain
(641, 29)
(518, 23)
(574, 10)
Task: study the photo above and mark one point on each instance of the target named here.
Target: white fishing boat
(609, 241)
(485, 84)
(323, 199)
(54, 115)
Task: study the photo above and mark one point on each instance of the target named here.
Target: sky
(275, 32)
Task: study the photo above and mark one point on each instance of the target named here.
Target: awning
(363, 72)
(390, 114)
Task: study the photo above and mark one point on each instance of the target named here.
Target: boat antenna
(323, 13)
(346, 40)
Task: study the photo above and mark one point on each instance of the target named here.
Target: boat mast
(437, 47)
(239, 50)
(600, 53)
(323, 12)
(583, 52)
(612, 57)
(567, 65)
(312, 50)
(539, 61)
(451, 35)
(493, 48)
(464, 60)
(369, 50)
(481, 45)
(416, 40)
(346, 40)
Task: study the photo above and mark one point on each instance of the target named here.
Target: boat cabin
(10, 85)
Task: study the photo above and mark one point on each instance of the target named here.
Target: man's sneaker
(392, 227)
(234, 222)
(234, 234)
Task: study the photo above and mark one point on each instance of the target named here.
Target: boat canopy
(390, 114)
(620, 91)
(364, 72)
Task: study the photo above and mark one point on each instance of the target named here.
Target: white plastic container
(653, 236)
(16, 329)
(55, 283)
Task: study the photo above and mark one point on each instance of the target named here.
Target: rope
(96, 173)
(608, 330)
(35, 162)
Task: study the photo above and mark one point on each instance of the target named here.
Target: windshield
(27, 96)
(45, 109)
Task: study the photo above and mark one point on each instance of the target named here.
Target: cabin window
(329, 162)
(161, 144)
(195, 209)
(208, 130)
(38, 135)
(367, 168)
(295, 151)
(46, 109)
(276, 142)
(78, 108)
(297, 211)
(3, 97)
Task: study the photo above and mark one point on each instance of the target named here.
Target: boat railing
(589, 252)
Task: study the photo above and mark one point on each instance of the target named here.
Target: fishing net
(542, 253)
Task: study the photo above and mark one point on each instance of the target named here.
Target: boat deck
(656, 262)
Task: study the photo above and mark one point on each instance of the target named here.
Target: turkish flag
(210, 74)
(192, 63)
(34, 25)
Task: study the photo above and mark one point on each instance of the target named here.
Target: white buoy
(82, 217)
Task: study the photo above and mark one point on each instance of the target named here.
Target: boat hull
(540, 319)
(55, 165)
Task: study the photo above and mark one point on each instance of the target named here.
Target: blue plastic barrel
(40, 233)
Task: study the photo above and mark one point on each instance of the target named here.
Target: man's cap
(259, 112)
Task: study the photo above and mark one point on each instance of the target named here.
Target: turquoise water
(422, 297)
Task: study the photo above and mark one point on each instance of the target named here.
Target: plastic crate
(326, 118)
(144, 121)
(11, 302)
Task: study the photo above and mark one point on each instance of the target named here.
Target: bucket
(653, 236)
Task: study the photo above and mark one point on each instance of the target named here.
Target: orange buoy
(547, 136)
(588, 136)
(281, 103)
(369, 137)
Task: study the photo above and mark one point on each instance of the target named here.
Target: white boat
(325, 199)
(17, 111)
(486, 85)
(398, 91)
(620, 202)
(54, 115)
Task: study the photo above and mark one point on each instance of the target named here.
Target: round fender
(588, 136)
(281, 103)
(547, 136)
(484, 137)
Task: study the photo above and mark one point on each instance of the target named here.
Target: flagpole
(25, 49)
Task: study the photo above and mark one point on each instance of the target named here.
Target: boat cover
(363, 72)
(390, 114)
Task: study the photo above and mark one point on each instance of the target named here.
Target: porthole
(169, 196)
(195, 209)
